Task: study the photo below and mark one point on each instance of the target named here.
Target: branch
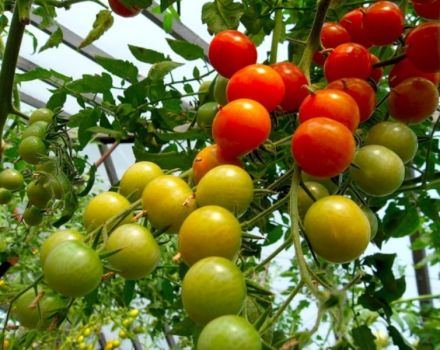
(276, 35)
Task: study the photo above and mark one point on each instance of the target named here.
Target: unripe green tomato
(220, 90)
(372, 218)
(206, 114)
(396, 136)
(325, 181)
(33, 216)
(55, 239)
(38, 129)
(32, 149)
(11, 179)
(204, 93)
(138, 254)
(136, 177)
(42, 114)
(378, 171)
(229, 332)
(38, 194)
(305, 201)
(5, 196)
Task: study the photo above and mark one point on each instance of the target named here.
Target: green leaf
(123, 69)
(40, 74)
(110, 132)
(186, 50)
(364, 338)
(398, 340)
(54, 40)
(84, 120)
(57, 100)
(146, 55)
(220, 15)
(159, 70)
(194, 134)
(164, 4)
(92, 83)
(103, 22)
(128, 292)
(184, 328)
(70, 207)
(400, 222)
(90, 181)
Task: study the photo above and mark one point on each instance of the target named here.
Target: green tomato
(73, 269)
(213, 287)
(41, 114)
(305, 201)
(206, 114)
(220, 90)
(229, 332)
(33, 216)
(32, 149)
(38, 129)
(40, 315)
(204, 92)
(227, 186)
(11, 179)
(378, 172)
(327, 182)
(396, 136)
(38, 194)
(55, 239)
(136, 178)
(138, 254)
(372, 218)
(5, 196)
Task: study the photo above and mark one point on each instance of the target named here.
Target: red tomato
(427, 9)
(241, 126)
(413, 100)
(405, 69)
(423, 48)
(333, 104)
(259, 83)
(353, 22)
(362, 93)
(376, 73)
(323, 147)
(208, 158)
(383, 22)
(119, 8)
(349, 60)
(295, 83)
(230, 51)
(332, 35)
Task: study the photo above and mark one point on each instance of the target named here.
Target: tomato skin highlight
(323, 147)
(349, 60)
(241, 126)
(295, 83)
(231, 43)
(257, 82)
(331, 103)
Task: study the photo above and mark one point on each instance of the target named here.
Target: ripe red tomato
(213, 287)
(295, 83)
(332, 35)
(362, 93)
(323, 147)
(427, 9)
(413, 100)
(241, 126)
(122, 10)
(259, 83)
(349, 60)
(230, 51)
(353, 22)
(208, 158)
(376, 73)
(405, 69)
(331, 103)
(422, 47)
(383, 22)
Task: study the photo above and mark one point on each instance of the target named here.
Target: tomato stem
(276, 36)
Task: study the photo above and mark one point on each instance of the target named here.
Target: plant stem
(392, 60)
(276, 35)
(282, 308)
(313, 41)
(419, 298)
(9, 64)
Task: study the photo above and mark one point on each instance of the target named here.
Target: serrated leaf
(220, 15)
(40, 74)
(92, 83)
(186, 50)
(123, 69)
(54, 40)
(364, 338)
(146, 55)
(103, 22)
(159, 70)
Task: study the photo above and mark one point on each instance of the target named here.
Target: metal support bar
(422, 274)
(109, 165)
